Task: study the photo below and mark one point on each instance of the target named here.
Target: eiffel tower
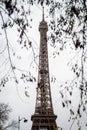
(44, 117)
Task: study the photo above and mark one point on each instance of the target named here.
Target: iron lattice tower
(44, 117)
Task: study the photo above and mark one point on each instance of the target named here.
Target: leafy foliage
(4, 113)
(4, 117)
(71, 23)
(14, 16)
(68, 21)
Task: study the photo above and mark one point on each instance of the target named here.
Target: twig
(6, 74)
(3, 50)
(20, 28)
(8, 47)
(73, 122)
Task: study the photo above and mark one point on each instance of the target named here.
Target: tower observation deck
(44, 117)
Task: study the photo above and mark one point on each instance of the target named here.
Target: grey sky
(14, 94)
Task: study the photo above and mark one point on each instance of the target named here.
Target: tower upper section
(43, 24)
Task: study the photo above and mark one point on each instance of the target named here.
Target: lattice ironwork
(44, 117)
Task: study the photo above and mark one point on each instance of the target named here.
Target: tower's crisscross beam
(44, 117)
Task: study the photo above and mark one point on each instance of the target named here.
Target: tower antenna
(43, 13)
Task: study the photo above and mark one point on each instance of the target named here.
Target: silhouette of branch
(6, 74)
(7, 43)
(73, 122)
(4, 62)
(3, 50)
(13, 125)
(14, 21)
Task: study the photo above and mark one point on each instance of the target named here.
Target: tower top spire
(43, 14)
(43, 23)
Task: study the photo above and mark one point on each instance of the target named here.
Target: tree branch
(73, 122)
(7, 43)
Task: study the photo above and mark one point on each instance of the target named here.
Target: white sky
(14, 94)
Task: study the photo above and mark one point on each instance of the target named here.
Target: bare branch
(13, 125)
(73, 122)
(3, 50)
(7, 43)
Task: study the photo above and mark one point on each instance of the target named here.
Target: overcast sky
(14, 94)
